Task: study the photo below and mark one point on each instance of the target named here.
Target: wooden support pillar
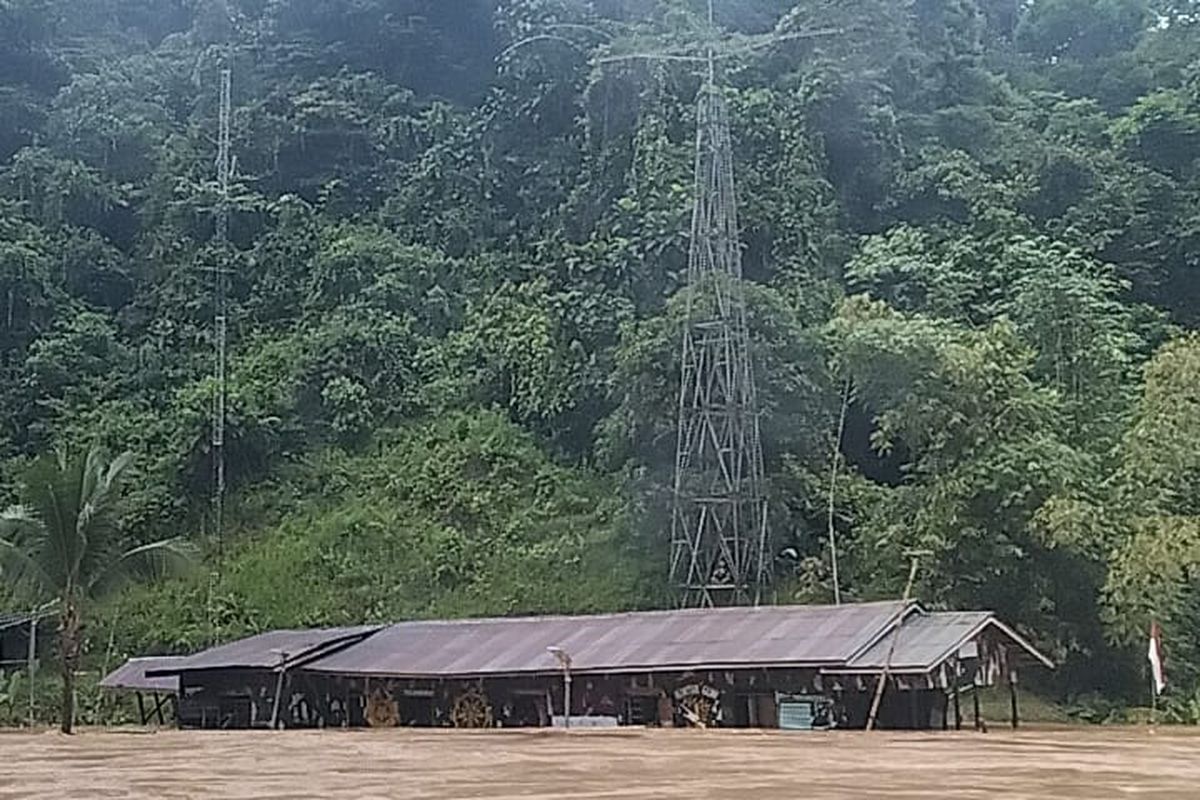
(957, 700)
(1012, 696)
(325, 696)
(975, 700)
(283, 681)
(141, 709)
(946, 711)
(31, 664)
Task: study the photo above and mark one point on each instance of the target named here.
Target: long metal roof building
(846, 639)
(466, 671)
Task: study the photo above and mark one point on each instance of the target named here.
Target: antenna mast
(712, 55)
(719, 507)
(220, 319)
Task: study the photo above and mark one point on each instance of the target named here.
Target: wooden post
(324, 701)
(1153, 701)
(566, 697)
(915, 556)
(1012, 693)
(278, 698)
(946, 711)
(957, 701)
(975, 699)
(141, 708)
(32, 665)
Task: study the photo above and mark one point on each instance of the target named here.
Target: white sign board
(586, 722)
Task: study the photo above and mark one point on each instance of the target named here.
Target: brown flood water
(1091, 763)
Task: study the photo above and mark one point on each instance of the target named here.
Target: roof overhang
(23, 619)
(201, 662)
(1027, 649)
(132, 676)
(1024, 648)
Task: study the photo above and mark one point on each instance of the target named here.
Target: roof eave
(318, 651)
(1023, 642)
(910, 669)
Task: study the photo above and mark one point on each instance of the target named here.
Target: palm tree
(65, 544)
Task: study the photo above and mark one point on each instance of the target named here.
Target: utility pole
(282, 675)
(836, 458)
(915, 557)
(220, 334)
(220, 313)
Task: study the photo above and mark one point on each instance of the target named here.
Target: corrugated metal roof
(928, 639)
(132, 675)
(639, 641)
(10, 619)
(924, 641)
(271, 650)
(14, 619)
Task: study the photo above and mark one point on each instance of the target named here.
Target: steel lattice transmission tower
(719, 533)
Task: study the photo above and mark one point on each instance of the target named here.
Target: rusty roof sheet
(131, 676)
(924, 641)
(273, 650)
(638, 641)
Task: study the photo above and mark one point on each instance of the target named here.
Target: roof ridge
(647, 612)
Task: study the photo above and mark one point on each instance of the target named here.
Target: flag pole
(1157, 676)
(1153, 701)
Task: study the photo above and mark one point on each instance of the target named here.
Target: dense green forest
(457, 245)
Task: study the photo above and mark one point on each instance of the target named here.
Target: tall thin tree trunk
(69, 647)
(68, 698)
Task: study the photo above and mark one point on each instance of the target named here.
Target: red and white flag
(1156, 658)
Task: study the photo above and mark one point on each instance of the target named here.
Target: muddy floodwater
(1092, 763)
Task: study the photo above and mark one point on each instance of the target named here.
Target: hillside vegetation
(457, 246)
